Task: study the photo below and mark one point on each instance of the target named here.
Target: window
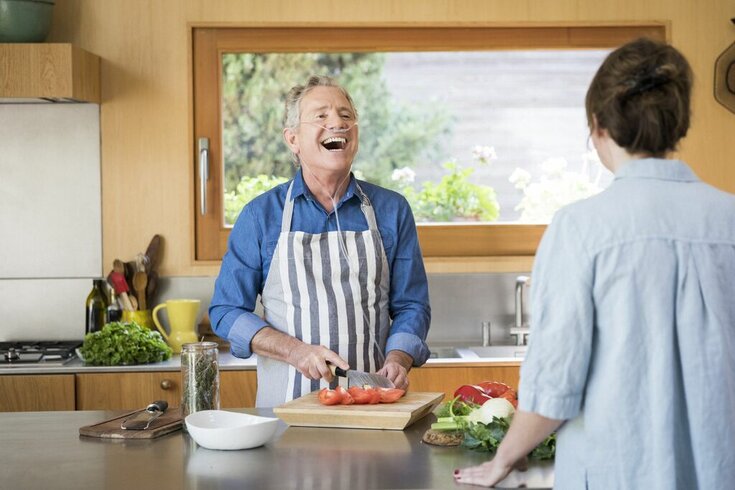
(477, 152)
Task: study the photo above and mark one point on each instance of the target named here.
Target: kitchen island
(44, 450)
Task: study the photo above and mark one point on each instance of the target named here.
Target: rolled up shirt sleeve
(554, 372)
(238, 285)
(409, 292)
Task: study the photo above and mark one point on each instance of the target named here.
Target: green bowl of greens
(124, 344)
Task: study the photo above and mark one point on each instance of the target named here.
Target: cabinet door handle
(203, 173)
(167, 384)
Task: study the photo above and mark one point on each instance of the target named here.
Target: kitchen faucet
(520, 330)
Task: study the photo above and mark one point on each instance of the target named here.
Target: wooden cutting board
(308, 412)
(170, 421)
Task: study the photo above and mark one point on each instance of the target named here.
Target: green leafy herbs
(546, 449)
(487, 438)
(124, 343)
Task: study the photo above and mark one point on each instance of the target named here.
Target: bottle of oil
(114, 313)
(96, 310)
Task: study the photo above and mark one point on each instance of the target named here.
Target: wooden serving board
(170, 421)
(308, 412)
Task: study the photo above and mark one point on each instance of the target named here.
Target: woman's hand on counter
(486, 474)
(526, 431)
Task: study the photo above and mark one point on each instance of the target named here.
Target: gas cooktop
(44, 353)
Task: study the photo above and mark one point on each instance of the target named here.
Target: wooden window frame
(460, 247)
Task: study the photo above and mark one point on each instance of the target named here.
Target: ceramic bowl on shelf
(221, 429)
(25, 21)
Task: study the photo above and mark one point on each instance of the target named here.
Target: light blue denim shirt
(633, 333)
(253, 241)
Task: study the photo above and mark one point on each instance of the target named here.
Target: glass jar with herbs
(200, 377)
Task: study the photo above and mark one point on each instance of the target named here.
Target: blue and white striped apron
(316, 294)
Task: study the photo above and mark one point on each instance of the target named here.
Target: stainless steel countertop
(44, 450)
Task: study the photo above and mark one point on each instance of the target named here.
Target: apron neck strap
(287, 211)
(366, 207)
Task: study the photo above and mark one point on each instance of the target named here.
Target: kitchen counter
(227, 362)
(44, 450)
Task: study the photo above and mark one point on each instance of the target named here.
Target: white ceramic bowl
(220, 429)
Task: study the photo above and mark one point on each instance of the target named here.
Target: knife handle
(337, 371)
(157, 406)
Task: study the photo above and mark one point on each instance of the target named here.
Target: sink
(509, 351)
(490, 351)
(444, 353)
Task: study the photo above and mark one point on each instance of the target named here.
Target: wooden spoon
(140, 281)
(150, 289)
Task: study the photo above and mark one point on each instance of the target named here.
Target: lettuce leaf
(487, 437)
(124, 343)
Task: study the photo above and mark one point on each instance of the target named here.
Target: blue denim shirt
(633, 333)
(253, 240)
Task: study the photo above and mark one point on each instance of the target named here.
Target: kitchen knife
(361, 378)
(143, 419)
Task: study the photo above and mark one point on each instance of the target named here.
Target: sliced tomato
(390, 395)
(472, 393)
(359, 395)
(329, 397)
(374, 395)
(346, 397)
(493, 388)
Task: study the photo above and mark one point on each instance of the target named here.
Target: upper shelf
(51, 72)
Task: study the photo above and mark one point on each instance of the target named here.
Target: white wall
(50, 218)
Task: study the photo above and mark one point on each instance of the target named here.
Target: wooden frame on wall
(454, 247)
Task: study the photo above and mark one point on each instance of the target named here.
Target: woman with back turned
(632, 351)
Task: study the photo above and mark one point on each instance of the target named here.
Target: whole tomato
(493, 389)
(472, 393)
(329, 397)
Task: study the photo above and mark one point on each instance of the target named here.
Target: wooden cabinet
(48, 71)
(237, 389)
(448, 378)
(128, 391)
(36, 392)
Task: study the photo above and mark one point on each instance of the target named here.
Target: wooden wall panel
(148, 155)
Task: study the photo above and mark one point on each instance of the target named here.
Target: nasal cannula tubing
(342, 245)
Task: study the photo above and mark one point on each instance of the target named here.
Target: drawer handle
(167, 384)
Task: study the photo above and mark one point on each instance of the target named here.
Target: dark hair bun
(641, 96)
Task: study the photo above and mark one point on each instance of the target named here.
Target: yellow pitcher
(182, 317)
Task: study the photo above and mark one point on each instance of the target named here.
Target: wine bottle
(96, 307)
